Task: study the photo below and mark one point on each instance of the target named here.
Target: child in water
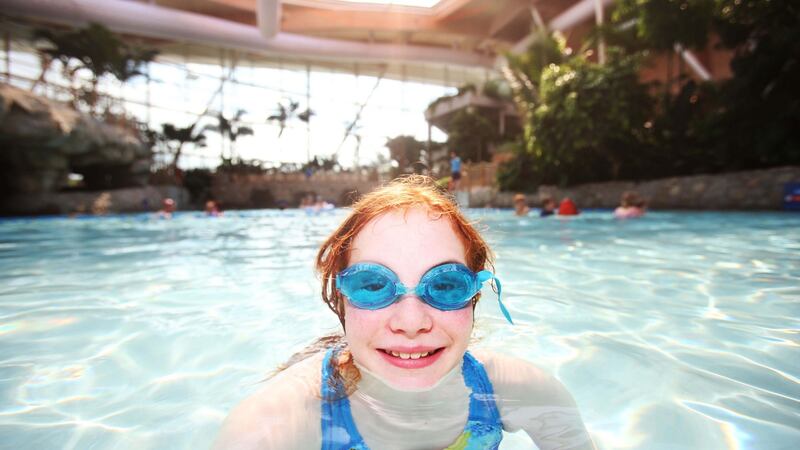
(521, 207)
(403, 273)
(631, 205)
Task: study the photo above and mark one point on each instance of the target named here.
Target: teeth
(408, 355)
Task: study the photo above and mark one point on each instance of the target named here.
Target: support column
(147, 103)
(7, 46)
(308, 107)
(222, 100)
(601, 45)
(429, 151)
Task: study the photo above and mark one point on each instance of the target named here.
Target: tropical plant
(405, 150)
(96, 49)
(582, 121)
(198, 182)
(230, 130)
(175, 138)
(470, 134)
(592, 121)
(662, 26)
(316, 164)
(284, 113)
(757, 121)
(524, 72)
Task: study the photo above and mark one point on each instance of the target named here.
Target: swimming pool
(675, 331)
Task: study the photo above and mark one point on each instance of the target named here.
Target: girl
(403, 274)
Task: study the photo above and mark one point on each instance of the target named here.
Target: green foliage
(406, 150)
(284, 113)
(174, 138)
(660, 24)
(590, 124)
(497, 89)
(198, 182)
(757, 123)
(469, 136)
(238, 166)
(96, 49)
(517, 173)
(586, 122)
(317, 164)
(230, 130)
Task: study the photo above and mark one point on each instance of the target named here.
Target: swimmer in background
(167, 209)
(548, 207)
(568, 208)
(212, 209)
(520, 205)
(631, 206)
(307, 201)
(403, 274)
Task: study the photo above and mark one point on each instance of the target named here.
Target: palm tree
(96, 49)
(175, 138)
(230, 130)
(285, 113)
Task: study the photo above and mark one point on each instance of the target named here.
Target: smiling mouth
(419, 355)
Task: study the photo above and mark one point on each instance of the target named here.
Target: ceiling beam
(268, 17)
(146, 20)
(507, 15)
(446, 8)
(300, 20)
(244, 5)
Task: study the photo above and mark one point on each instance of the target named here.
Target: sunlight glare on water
(675, 331)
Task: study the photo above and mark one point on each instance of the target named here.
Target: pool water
(674, 331)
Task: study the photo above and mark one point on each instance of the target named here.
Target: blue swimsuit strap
(340, 431)
(482, 407)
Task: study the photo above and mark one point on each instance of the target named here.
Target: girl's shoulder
(284, 409)
(519, 381)
(531, 399)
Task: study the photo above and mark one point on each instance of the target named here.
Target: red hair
(401, 194)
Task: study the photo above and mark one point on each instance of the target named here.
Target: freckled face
(409, 243)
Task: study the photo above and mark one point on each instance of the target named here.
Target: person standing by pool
(455, 171)
(403, 274)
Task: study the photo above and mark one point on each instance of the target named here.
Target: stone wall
(271, 190)
(747, 190)
(42, 141)
(99, 202)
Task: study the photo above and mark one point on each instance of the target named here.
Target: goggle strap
(485, 275)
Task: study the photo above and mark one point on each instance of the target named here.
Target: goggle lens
(446, 287)
(368, 288)
(449, 289)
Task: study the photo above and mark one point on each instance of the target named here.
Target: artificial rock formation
(42, 142)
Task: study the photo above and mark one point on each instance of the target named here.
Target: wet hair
(632, 199)
(402, 194)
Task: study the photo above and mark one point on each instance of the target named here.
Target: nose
(411, 317)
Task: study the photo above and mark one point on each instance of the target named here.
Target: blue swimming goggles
(446, 287)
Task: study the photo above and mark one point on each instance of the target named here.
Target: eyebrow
(449, 261)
